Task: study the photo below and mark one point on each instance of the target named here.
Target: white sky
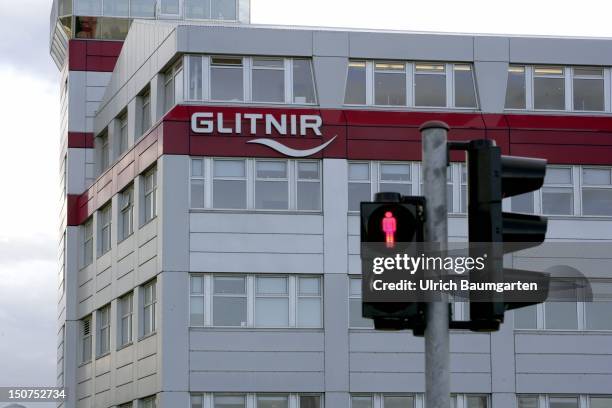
(29, 136)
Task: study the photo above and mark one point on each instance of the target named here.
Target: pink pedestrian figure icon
(389, 226)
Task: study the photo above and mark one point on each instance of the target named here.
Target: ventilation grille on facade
(86, 327)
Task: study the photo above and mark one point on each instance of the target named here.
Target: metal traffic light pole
(437, 352)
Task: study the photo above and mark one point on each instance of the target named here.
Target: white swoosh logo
(287, 151)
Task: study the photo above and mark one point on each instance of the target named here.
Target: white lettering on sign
(283, 124)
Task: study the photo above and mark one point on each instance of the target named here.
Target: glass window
(361, 402)
(549, 88)
(168, 90)
(390, 83)
(309, 302)
(229, 401)
(88, 7)
(271, 185)
(600, 402)
(596, 191)
(395, 177)
(303, 82)
(150, 195)
(126, 215)
(526, 318)
(515, 89)
(430, 85)
(113, 28)
(398, 401)
(86, 339)
(308, 186)
(88, 243)
(197, 401)
(126, 307)
(104, 229)
(359, 187)
(87, 27)
(197, 183)
(149, 402)
(310, 401)
(563, 402)
(355, 317)
(272, 401)
(271, 301)
(464, 201)
(598, 315)
(142, 8)
(527, 401)
(226, 82)
(229, 301)
(355, 93)
(588, 89)
(149, 306)
(224, 9)
(169, 6)
(118, 8)
(476, 401)
(523, 203)
(195, 77)
(197, 9)
(104, 151)
(146, 112)
(561, 315)
(558, 193)
(268, 80)
(196, 300)
(465, 92)
(229, 184)
(103, 320)
(123, 133)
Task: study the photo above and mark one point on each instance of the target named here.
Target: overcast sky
(29, 136)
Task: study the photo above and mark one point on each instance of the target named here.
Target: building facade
(212, 172)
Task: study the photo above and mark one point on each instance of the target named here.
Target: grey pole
(437, 353)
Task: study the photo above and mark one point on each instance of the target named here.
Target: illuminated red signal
(389, 226)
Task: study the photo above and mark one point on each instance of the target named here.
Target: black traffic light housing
(409, 218)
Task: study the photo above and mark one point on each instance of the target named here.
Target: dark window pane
(268, 85)
(356, 84)
(390, 88)
(515, 91)
(303, 82)
(561, 315)
(526, 318)
(142, 8)
(224, 9)
(465, 96)
(226, 84)
(522, 203)
(596, 201)
(589, 94)
(557, 201)
(358, 192)
(430, 90)
(549, 93)
(197, 8)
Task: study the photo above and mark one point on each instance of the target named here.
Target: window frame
(87, 250)
(126, 210)
(257, 180)
(569, 186)
(151, 305)
(103, 331)
(123, 139)
(355, 278)
(128, 316)
(105, 220)
(85, 338)
(285, 75)
(149, 195)
(582, 186)
(445, 73)
(574, 77)
(146, 120)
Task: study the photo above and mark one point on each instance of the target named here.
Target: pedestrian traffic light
(387, 225)
(492, 177)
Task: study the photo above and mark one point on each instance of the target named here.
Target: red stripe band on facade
(356, 134)
(93, 56)
(80, 140)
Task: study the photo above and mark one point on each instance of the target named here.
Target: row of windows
(125, 323)
(558, 88)
(125, 217)
(249, 79)
(250, 400)
(256, 301)
(418, 84)
(148, 402)
(190, 9)
(255, 184)
(564, 401)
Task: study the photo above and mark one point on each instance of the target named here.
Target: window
(103, 320)
(229, 301)
(516, 88)
(196, 79)
(361, 401)
(561, 315)
(303, 82)
(395, 177)
(226, 79)
(199, 9)
(464, 201)
(597, 191)
(523, 203)
(549, 88)
(142, 8)
(229, 184)
(145, 116)
(272, 401)
(150, 195)
(88, 7)
(308, 186)
(126, 405)
(149, 402)
(117, 8)
(104, 229)
(104, 151)
(126, 307)
(197, 183)
(126, 215)
(465, 92)
(264, 400)
(355, 93)
(87, 231)
(123, 134)
(229, 401)
(268, 80)
(598, 313)
(310, 401)
(355, 318)
(224, 10)
(526, 318)
(173, 86)
(169, 7)
(256, 300)
(527, 401)
(430, 85)
(149, 305)
(271, 185)
(588, 88)
(359, 185)
(398, 401)
(600, 402)
(86, 339)
(557, 193)
(390, 83)
(563, 402)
